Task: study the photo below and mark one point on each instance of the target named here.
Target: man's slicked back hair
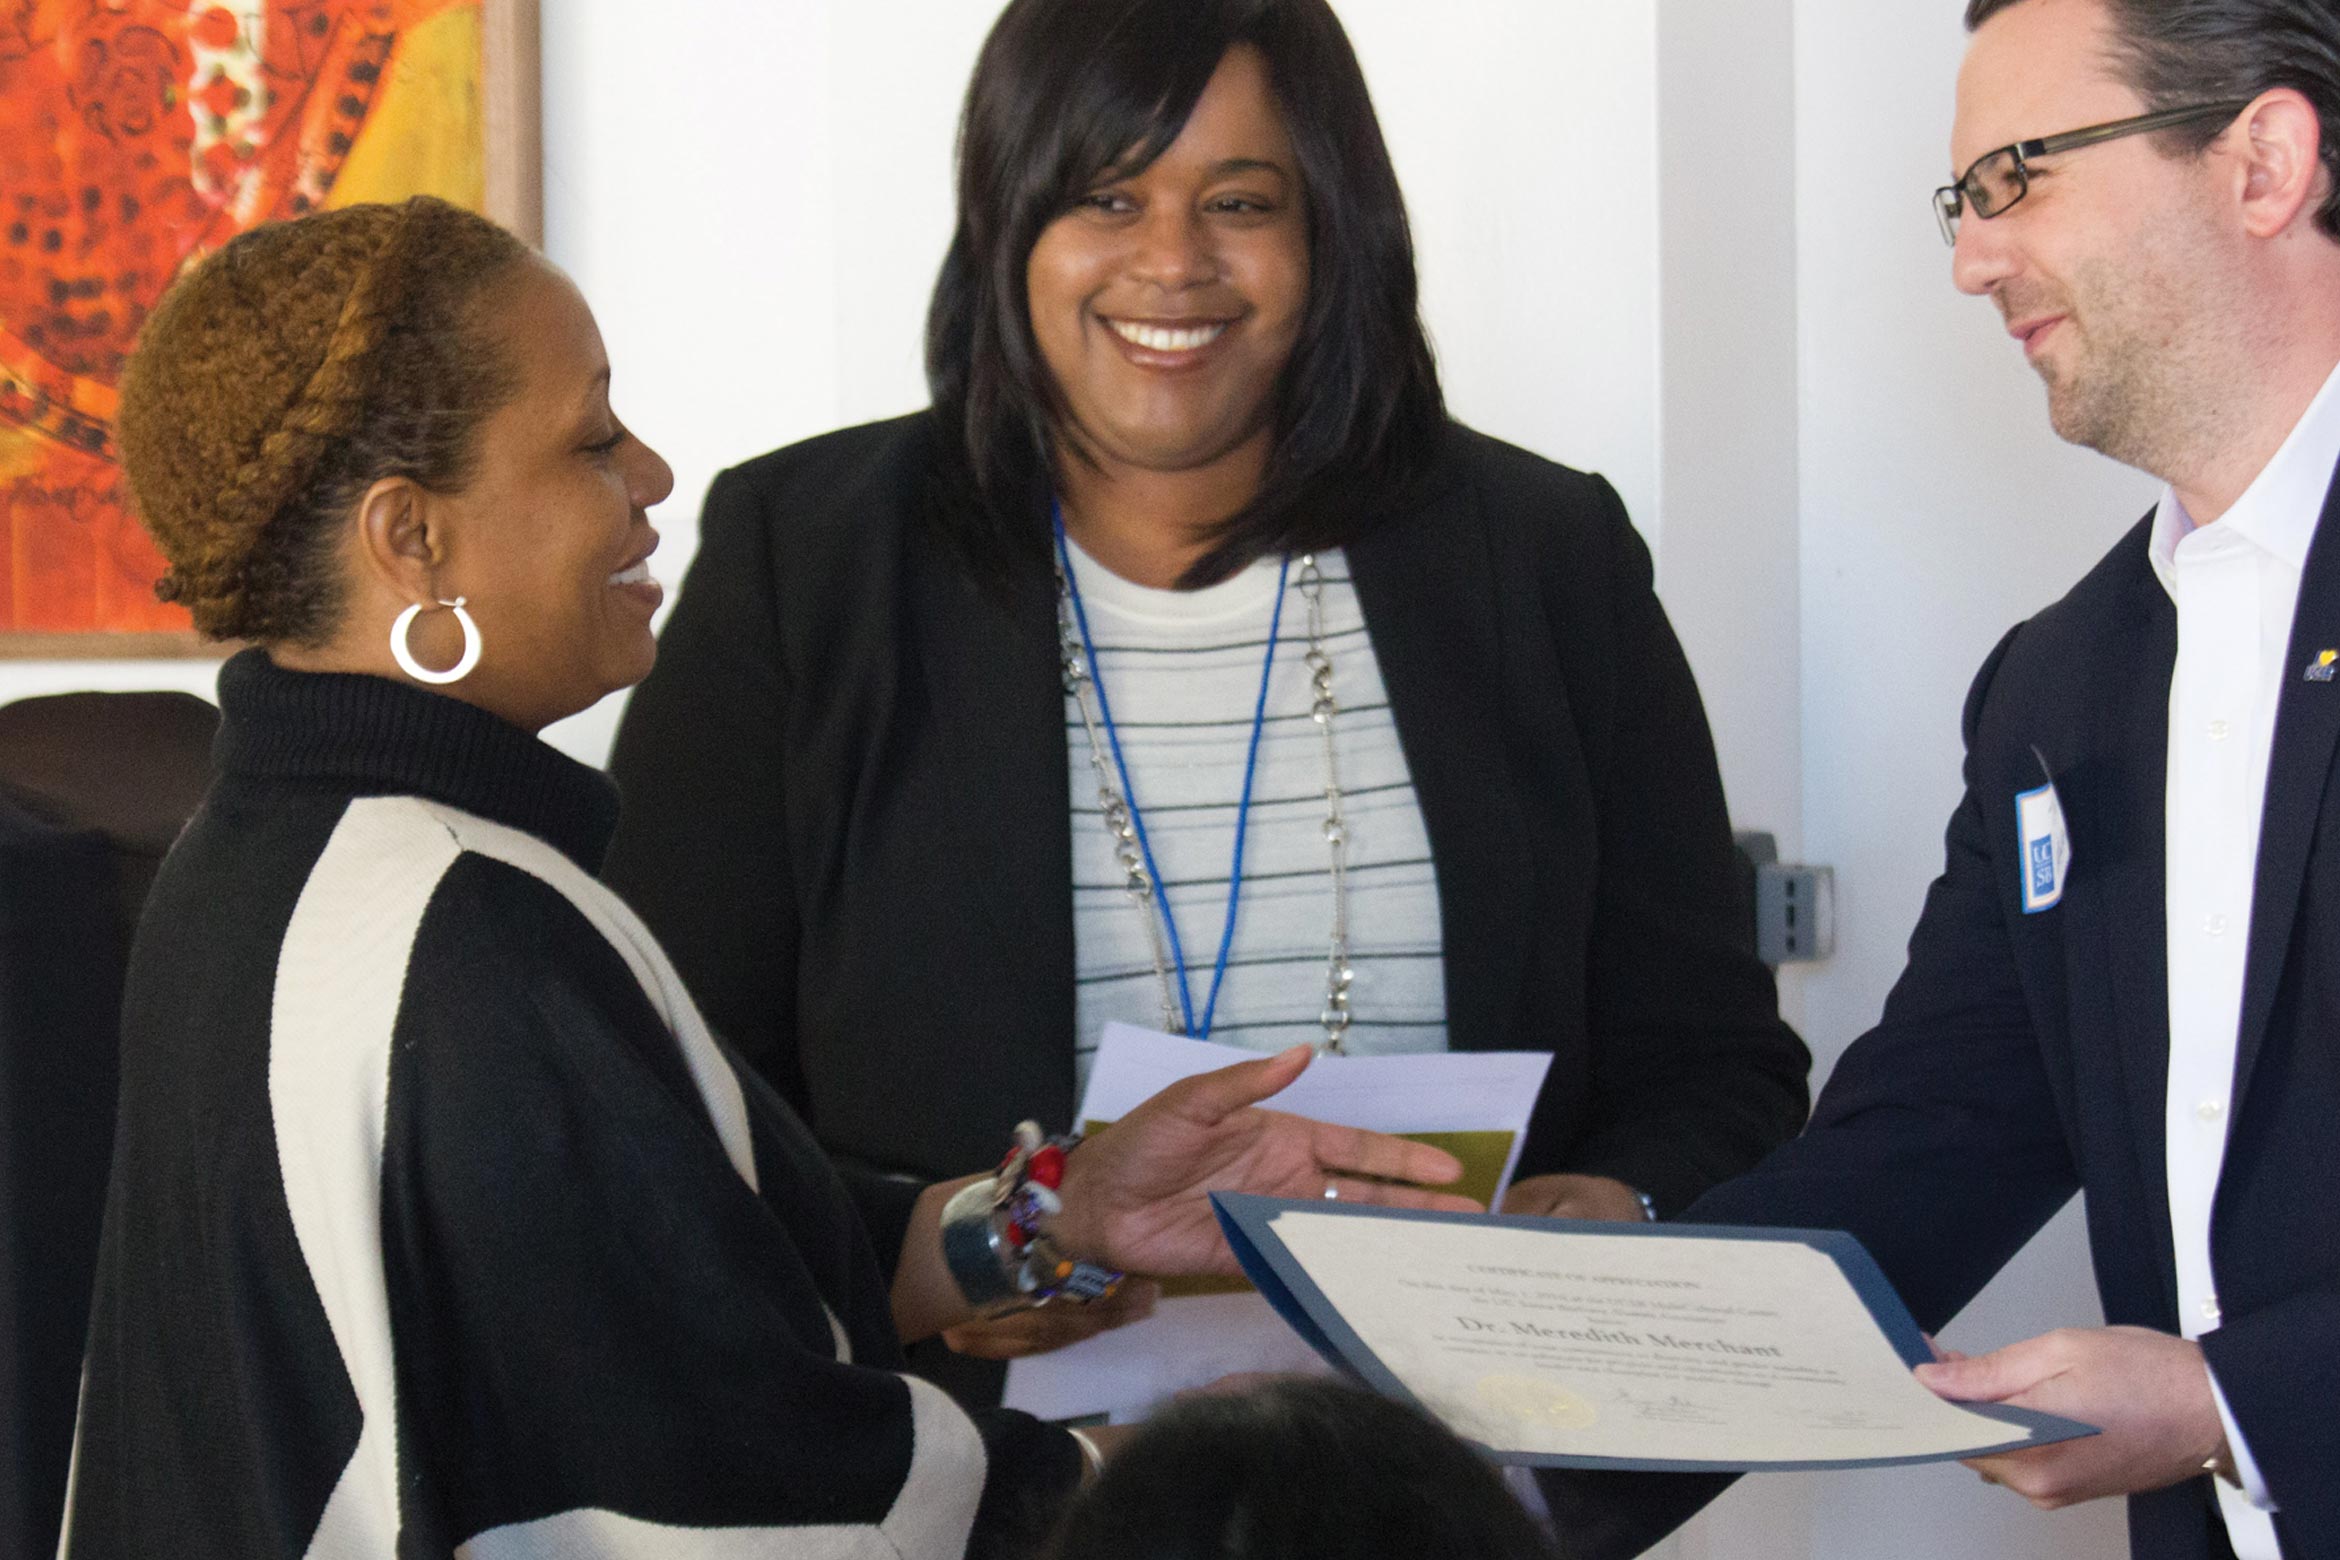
(2180, 52)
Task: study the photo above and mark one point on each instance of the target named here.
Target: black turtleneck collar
(375, 737)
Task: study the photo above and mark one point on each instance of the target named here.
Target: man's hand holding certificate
(1594, 1345)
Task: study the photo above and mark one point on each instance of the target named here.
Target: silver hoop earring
(413, 668)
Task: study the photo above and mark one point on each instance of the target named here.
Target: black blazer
(2022, 1057)
(847, 815)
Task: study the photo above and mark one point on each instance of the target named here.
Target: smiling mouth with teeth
(639, 574)
(1159, 338)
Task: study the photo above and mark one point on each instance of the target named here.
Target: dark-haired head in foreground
(1298, 1470)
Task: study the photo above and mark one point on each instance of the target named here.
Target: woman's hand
(1575, 1197)
(1052, 1327)
(1136, 1194)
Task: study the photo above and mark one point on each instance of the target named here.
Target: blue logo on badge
(2046, 859)
(2043, 868)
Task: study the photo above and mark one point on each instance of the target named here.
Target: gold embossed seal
(1525, 1400)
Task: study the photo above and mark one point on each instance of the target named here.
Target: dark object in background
(1298, 1470)
(130, 766)
(93, 790)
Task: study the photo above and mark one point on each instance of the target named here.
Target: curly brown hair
(287, 373)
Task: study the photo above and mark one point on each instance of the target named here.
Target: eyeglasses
(1999, 179)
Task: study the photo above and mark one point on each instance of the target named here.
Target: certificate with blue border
(1682, 1348)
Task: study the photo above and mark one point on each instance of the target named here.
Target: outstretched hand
(2148, 1392)
(1137, 1194)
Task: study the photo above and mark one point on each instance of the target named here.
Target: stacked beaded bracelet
(992, 1240)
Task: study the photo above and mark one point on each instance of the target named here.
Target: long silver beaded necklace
(1126, 827)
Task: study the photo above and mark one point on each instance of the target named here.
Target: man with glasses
(2127, 979)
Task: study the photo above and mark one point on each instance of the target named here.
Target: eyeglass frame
(1951, 201)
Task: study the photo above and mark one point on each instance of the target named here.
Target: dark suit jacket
(2024, 1057)
(847, 815)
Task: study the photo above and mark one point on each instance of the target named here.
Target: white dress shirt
(2236, 584)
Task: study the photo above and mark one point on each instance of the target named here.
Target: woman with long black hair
(1184, 664)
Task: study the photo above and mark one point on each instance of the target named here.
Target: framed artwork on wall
(137, 136)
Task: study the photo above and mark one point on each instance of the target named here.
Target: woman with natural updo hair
(440, 1224)
(401, 388)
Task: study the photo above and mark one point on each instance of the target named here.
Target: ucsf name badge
(2047, 848)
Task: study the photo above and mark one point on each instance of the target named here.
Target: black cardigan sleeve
(1694, 1075)
(702, 851)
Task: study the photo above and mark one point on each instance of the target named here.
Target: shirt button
(2210, 1110)
(2210, 1311)
(2215, 926)
(2218, 729)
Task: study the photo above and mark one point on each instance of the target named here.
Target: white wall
(30, 679)
(1728, 400)
(1936, 509)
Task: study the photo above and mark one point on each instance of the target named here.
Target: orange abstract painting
(136, 136)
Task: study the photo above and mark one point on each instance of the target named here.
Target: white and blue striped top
(1182, 669)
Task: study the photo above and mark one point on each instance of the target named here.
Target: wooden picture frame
(123, 82)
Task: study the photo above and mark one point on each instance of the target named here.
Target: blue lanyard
(1137, 818)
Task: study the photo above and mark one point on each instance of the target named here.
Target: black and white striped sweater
(440, 1225)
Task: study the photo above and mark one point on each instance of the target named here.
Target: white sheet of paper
(1193, 1341)
(1576, 1343)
